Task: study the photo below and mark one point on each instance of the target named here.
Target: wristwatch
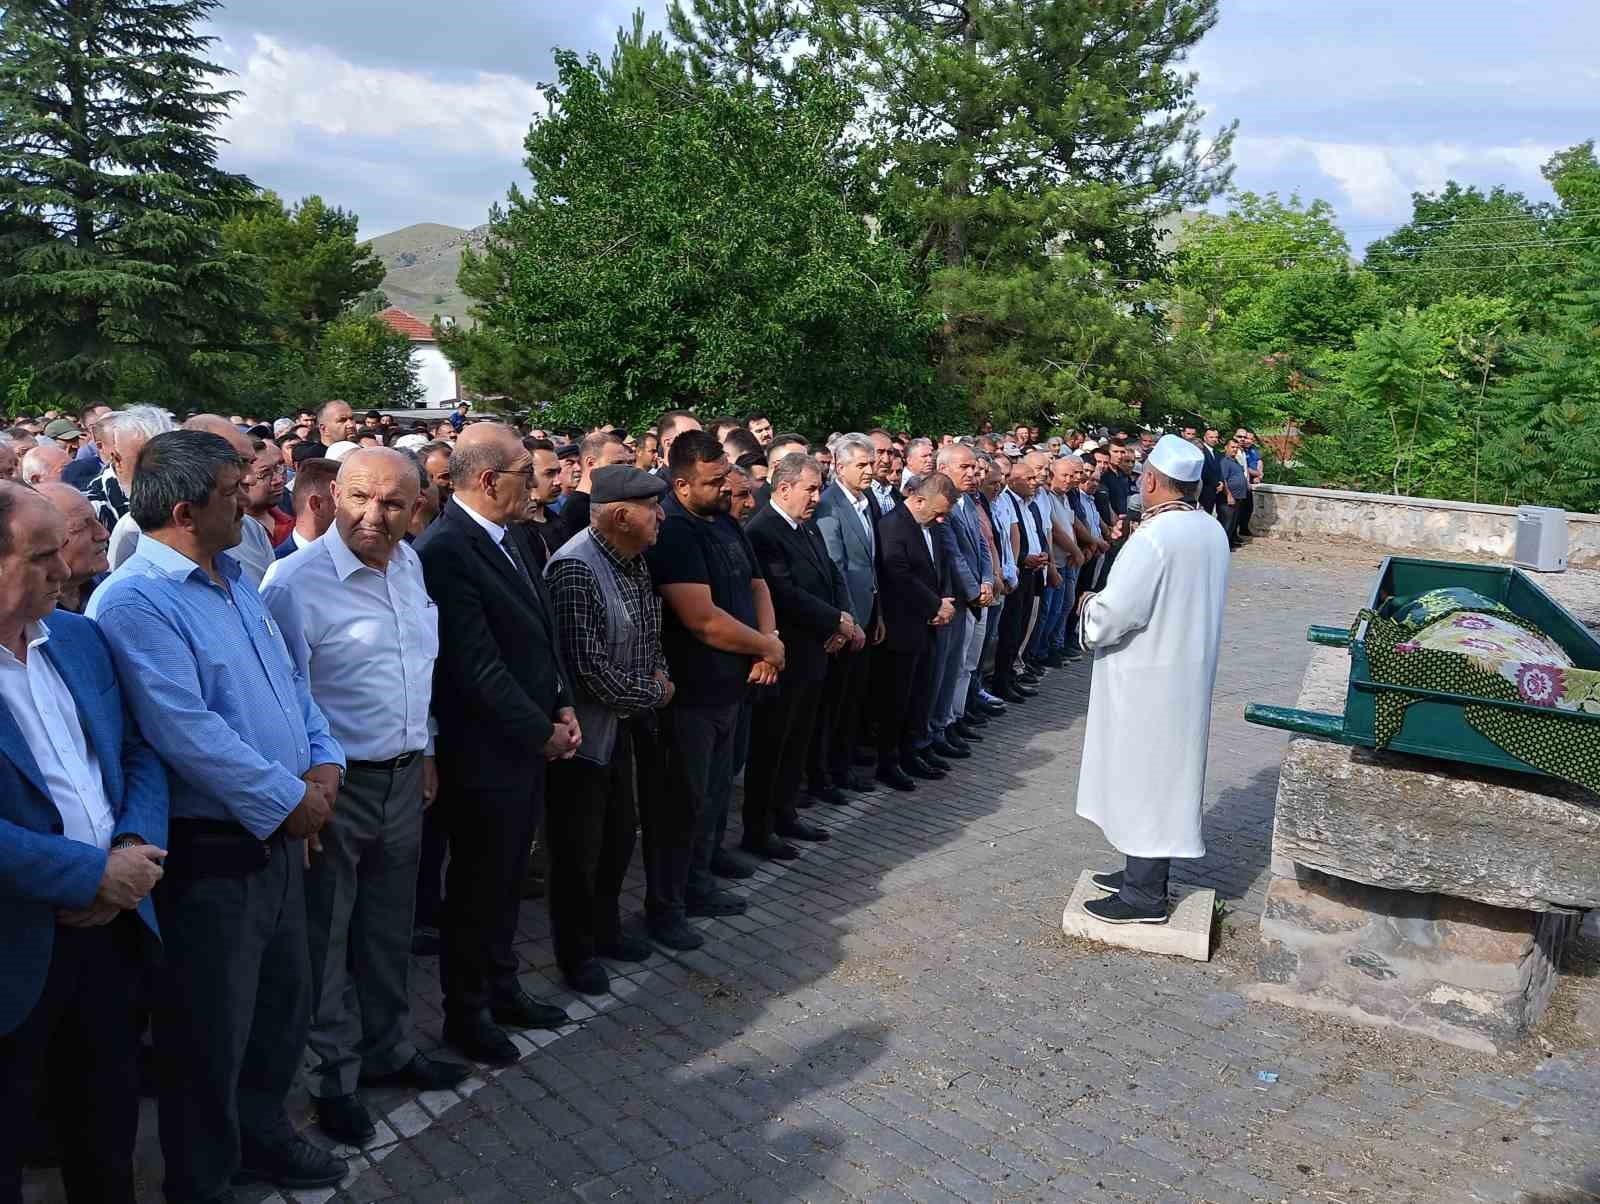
(127, 841)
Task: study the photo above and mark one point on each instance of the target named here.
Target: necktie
(510, 547)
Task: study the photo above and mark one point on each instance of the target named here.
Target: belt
(392, 765)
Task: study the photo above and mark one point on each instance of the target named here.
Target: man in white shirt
(919, 460)
(359, 624)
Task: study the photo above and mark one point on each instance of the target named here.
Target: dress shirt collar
(345, 562)
(855, 499)
(33, 634)
(793, 525)
(494, 530)
(176, 565)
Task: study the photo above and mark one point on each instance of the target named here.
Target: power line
(1341, 255)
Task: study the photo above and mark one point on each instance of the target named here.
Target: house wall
(437, 377)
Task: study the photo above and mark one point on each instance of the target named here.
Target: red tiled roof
(413, 327)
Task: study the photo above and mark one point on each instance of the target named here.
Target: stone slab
(1421, 824)
(1452, 969)
(1186, 934)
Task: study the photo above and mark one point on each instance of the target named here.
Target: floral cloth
(1458, 642)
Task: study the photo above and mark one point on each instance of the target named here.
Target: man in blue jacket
(83, 822)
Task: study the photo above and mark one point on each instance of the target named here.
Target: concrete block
(1186, 934)
(1452, 969)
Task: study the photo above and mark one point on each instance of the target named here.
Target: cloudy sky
(408, 111)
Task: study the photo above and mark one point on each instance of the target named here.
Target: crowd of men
(286, 705)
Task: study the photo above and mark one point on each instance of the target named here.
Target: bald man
(354, 599)
(504, 707)
(44, 463)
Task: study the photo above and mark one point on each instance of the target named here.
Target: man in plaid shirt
(608, 619)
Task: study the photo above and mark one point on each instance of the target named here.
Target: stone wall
(1411, 524)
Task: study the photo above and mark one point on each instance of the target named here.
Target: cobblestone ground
(898, 1018)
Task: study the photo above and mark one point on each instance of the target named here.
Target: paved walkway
(898, 1018)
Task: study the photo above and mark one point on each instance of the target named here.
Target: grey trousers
(1144, 883)
(361, 893)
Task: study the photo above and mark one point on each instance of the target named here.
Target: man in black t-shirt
(720, 637)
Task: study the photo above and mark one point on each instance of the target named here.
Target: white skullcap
(1177, 459)
(1088, 445)
(280, 425)
(342, 449)
(411, 442)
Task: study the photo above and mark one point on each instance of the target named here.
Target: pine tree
(111, 200)
(736, 41)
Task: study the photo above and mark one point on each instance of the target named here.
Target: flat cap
(623, 483)
(567, 451)
(63, 428)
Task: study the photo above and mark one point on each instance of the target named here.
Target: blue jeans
(1044, 631)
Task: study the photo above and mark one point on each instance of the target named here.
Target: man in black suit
(812, 607)
(910, 571)
(781, 446)
(1211, 472)
(504, 707)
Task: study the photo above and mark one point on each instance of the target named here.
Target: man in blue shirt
(253, 773)
(1253, 474)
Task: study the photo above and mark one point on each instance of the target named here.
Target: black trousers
(430, 869)
(82, 1039)
(844, 693)
(904, 680)
(1014, 627)
(490, 833)
(1144, 883)
(1246, 509)
(589, 823)
(684, 821)
(233, 1008)
(780, 744)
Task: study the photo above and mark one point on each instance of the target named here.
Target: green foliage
(111, 203)
(367, 364)
(736, 41)
(1316, 304)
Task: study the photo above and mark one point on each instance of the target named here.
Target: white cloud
(1378, 180)
(292, 90)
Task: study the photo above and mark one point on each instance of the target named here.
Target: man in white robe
(1154, 631)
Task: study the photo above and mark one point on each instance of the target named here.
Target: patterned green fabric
(1457, 642)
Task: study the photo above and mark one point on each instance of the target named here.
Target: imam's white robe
(1154, 631)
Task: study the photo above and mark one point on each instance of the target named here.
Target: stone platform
(1186, 934)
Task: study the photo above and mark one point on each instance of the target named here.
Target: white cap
(279, 425)
(342, 449)
(1176, 459)
(411, 442)
(1088, 445)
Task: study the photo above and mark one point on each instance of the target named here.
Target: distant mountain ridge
(422, 262)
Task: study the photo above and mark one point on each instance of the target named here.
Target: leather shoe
(896, 778)
(522, 1010)
(993, 709)
(1012, 694)
(346, 1119)
(423, 1073)
(676, 934)
(943, 748)
(717, 903)
(1023, 688)
(932, 759)
(966, 732)
(974, 718)
(725, 863)
(800, 830)
(919, 768)
(1028, 678)
(773, 850)
(624, 949)
(831, 794)
(588, 978)
(480, 1039)
(295, 1164)
(858, 782)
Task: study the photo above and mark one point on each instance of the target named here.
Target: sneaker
(1112, 910)
(1109, 881)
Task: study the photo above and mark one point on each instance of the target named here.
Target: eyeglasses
(528, 472)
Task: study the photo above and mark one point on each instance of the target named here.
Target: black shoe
(896, 778)
(919, 768)
(772, 850)
(480, 1039)
(725, 863)
(992, 709)
(1028, 679)
(830, 794)
(974, 717)
(1012, 694)
(1074, 655)
(590, 978)
(522, 1010)
(954, 740)
(948, 751)
(624, 949)
(933, 760)
(1113, 910)
(1023, 688)
(966, 732)
(424, 942)
(423, 1073)
(1055, 660)
(859, 783)
(676, 934)
(346, 1119)
(1109, 881)
(296, 1164)
(717, 903)
(800, 830)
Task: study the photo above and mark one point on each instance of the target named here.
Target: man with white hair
(44, 463)
(919, 460)
(1154, 630)
(122, 437)
(85, 548)
(355, 597)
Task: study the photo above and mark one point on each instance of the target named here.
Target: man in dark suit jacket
(812, 606)
(504, 708)
(79, 854)
(910, 573)
(847, 516)
(1211, 472)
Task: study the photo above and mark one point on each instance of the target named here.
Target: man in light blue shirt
(253, 772)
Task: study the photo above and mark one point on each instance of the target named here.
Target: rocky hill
(422, 261)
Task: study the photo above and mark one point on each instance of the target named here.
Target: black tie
(510, 546)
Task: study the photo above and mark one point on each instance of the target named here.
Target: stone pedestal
(1452, 969)
(1187, 933)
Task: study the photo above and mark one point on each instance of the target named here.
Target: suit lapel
(13, 746)
(68, 667)
(496, 557)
